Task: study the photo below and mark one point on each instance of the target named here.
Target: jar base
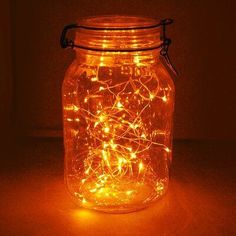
(133, 197)
(122, 210)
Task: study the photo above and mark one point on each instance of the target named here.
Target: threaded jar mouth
(119, 33)
(117, 22)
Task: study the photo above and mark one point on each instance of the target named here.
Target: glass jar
(118, 101)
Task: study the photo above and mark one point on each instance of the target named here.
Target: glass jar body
(117, 112)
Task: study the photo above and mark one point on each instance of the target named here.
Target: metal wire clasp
(165, 46)
(64, 41)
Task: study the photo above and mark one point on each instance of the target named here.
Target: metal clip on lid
(165, 46)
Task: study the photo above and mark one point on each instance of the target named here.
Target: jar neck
(104, 58)
(119, 33)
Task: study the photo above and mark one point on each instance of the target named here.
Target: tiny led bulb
(133, 155)
(136, 59)
(68, 108)
(129, 192)
(93, 190)
(143, 136)
(134, 126)
(151, 96)
(94, 79)
(119, 104)
(164, 98)
(167, 149)
(105, 145)
(75, 108)
(129, 148)
(119, 167)
(140, 167)
(101, 118)
(106, 129)
(113, 145)
(159, 187)
(104, 155)
(131, 126)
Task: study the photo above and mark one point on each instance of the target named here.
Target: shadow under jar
(118, 101)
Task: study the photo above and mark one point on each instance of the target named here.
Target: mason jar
(118, 102)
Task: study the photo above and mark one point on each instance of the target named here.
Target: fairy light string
(117, 156)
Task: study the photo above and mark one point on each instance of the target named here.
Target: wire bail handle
(165, 46)
(64, 41)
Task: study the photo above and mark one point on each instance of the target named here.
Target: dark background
(202, 193)
(203, 47)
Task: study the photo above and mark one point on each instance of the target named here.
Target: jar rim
(118, 22)
(117, 33)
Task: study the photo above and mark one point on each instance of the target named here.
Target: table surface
(200, 200)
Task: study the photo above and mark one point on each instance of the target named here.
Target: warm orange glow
(121, 104)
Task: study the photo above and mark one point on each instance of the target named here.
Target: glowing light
(167, 149)
(164, 99)
(134, 126)
(75, 108)
(102, 118)
(101, 190)
(133, 155)
(129, 192)
(101, 88)
(119, 167)
(68, 108)
(105, 145)
(140, 167)
(159, 187)
(106, 129)
(104, 155)
(94, 79)
(151, 96)
(113, 145)
(129, 148)
(119, 104)
(93, 190)
(143, 136)
(136, 59)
